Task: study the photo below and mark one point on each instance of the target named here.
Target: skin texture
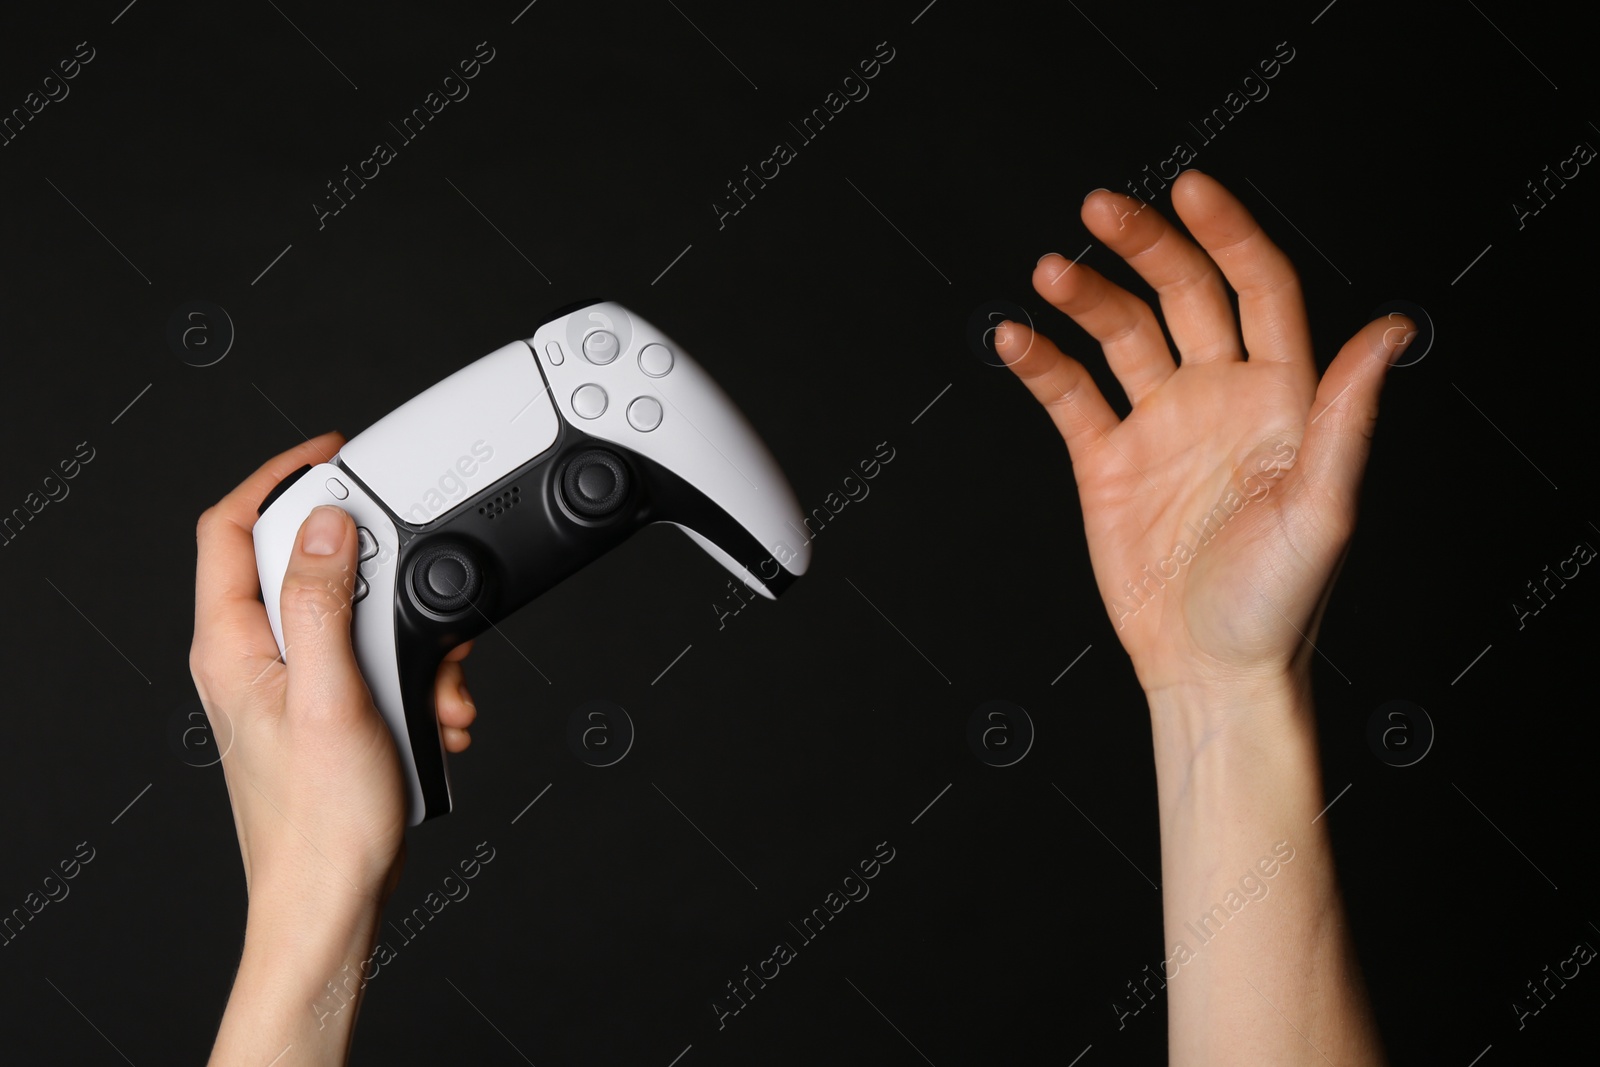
(1221, 635)
(312, 773)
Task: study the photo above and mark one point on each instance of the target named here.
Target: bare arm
(1218, 513)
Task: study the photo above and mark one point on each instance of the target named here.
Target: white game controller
(516, 471)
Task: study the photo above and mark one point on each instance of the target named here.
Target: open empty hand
(1218, 511)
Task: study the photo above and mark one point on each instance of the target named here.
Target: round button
(595, 483)
(589, 401)
(446, 578)
(601, 347)
(644, 414)
(655, 360)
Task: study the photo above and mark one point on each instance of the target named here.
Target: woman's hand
(319, 803)
(1219, 510)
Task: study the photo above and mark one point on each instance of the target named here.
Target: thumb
(318, 591)
(1345, 414)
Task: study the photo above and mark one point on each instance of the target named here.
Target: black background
(833, 308)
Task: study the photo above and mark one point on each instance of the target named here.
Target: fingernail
(1048, 255)
(324, 531)
(1091, 192)
(466, 698)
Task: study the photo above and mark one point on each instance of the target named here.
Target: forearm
(1260, 966)
(299, 983)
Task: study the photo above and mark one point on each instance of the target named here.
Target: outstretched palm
(1217, 512)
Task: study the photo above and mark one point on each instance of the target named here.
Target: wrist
(300, 979)
(1255, 718)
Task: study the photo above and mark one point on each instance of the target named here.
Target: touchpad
(437, 450)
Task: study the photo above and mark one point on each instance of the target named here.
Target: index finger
(226, 584)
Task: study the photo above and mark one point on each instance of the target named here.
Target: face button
(601, 347)
(644, 414)
(655, 360)
(589, 401)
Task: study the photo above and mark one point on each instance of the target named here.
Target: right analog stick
(595, 484)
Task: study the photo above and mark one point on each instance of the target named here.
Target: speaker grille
(502, 503)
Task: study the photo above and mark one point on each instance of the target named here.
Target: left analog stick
(446, 578)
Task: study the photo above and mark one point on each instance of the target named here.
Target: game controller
(513, 473)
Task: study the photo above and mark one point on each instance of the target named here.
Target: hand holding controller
(510, 475)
